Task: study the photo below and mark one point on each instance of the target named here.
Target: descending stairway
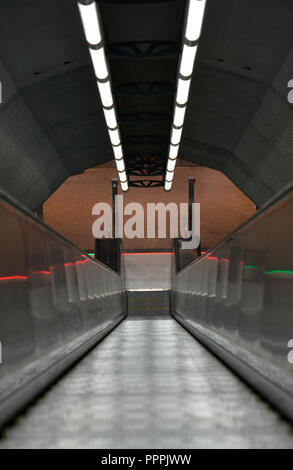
(149, 384)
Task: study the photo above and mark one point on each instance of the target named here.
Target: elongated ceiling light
(194, 22)
(93, 34)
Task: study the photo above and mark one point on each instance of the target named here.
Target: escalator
(149, 384)
(85, 365)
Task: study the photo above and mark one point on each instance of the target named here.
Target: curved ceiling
(238, 118)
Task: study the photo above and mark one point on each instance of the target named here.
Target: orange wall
(223, 206)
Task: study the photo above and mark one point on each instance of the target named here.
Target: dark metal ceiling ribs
(151, 171)
(142, 118)
(144, 158)
(143, 49)
(145, 139)
(146, 183)
(146, 165)
(52, 125)
(144, 88)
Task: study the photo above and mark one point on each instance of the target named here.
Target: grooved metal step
(149, 384)
(151, 304)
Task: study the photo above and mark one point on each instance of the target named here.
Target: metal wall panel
(55, 303)
(148, 271)
(238, 299)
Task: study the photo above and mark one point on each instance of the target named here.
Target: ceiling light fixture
(176, 136)
(173, 152)
(114, 136)
(120, 165)
(169, 176)
(168, 185)
(187, 60)
(179, 115)
(171, 165)
(182, 91)
(118, 152)
(89, 18)
(93, 33)
(106, 94)
(194, 19)
(195, 15)
(124, 185)
(99, 63)
(123, 177)
(110, 117)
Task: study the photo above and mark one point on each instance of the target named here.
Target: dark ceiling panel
(40, 39)
(143, 44)
(244, 46)
(238, 118)
(140, 21)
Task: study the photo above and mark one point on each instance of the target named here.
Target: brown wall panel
(223, 206)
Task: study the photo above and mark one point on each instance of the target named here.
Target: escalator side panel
(55, 303)
(244, 302)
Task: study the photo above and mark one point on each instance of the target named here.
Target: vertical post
(191, 185)
(190, 201)
(116, 241)
(176, 253)
(114, 206)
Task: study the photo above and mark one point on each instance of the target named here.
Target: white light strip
(173, 152)
(194, 19)
(124, 185)
(179, 115)
(92, 30)
(168, 185)
(187, 60)
(99, 63)
(195, 16)
(114, 136)
(105, 93)
(123, 177)
(169, 176)
(176, 136)
(171, 165)
(89, 18)
(120, 165)
(182, 91)
(118, 152)
(110, 117)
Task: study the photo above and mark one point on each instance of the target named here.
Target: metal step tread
(149, 384)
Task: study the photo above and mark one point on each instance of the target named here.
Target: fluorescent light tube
(171, 165)
(105, 93)
(194, 19)
(173, 152)
(187, 60)
(169, 176)
(99, 63)
(118, 152)
(182, 90)
(110, 117)
(124, 185)
(91, 26)
(89, 18)
(120, 165)
(176, 136)
(122, 177)
(168, 185)
(114, 136)
(179, 115)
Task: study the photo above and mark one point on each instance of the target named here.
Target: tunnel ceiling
(238, 119)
